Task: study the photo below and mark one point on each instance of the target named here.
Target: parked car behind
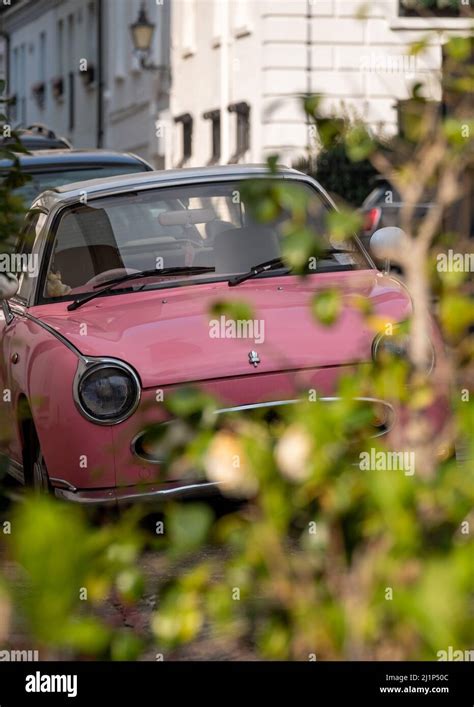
(48, 169)
(38, 137)
(382, 208)
(119, 309)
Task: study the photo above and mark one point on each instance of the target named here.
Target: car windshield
(51, 178)
(187, 227)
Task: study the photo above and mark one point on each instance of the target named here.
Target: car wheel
(40, 474)
(36, 471)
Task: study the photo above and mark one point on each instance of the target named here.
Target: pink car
(112, 314)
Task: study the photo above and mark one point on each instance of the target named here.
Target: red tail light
(371, 219)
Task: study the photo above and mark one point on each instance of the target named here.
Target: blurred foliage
(12, 206)
(342, 178)
(326, 559)
(11, 216)
(321, 558)
(68, 566)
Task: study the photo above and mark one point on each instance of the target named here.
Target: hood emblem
(254, 358)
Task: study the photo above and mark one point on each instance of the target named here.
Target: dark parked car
(48, 169)
(383, 205)
(382, 208)
(38, 137)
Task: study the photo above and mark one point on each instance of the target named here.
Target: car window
(201, 225)
(27, 263)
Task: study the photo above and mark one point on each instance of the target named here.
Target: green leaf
(330, 131)
(130, 584)
(326, 306)
(187, 401)
(458, 48)
(126, 646)
(179, 617)
(343, 223)
(311, 105)
(419, 46)
(272, 163)
(236, 310)
(188, 527)
(458, 132)
(298, 246)
(86, 635)
(457, 314)
(359, 143)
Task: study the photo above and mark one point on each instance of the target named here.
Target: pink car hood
(165, 334)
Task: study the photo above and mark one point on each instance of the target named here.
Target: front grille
(143, 443)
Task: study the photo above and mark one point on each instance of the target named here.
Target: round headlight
(396, 346)
(108, 393)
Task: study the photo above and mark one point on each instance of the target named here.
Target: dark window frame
(71, 99)
(242, 141)
(215, 117)
(186, 120)
(435, 10)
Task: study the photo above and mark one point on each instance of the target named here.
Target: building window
(242, 125)
(71, 83)
(122, 40)
(71, 101)
(436, 8)
(42, 57)
(13, 88)
(22, 86)
(186, 121)
(58, 82)
(60, 48)
(39, 88)
(91, 31)
(215, 117)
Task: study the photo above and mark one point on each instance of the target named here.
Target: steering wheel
(107, 275)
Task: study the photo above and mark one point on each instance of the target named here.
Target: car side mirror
(8, 286)
(386, 244)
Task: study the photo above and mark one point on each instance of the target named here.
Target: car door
(10, 383)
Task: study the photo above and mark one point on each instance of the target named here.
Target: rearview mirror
(386, 244)
(8, 286)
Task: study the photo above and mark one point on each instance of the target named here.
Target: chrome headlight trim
(86, 367)
(381, 336)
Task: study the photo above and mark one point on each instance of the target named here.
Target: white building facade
(50, 42)
(137, 98)
(72, 67)
(248, 63)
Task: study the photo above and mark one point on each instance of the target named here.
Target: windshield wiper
(257, 270)
(274, 264)
(108, 286)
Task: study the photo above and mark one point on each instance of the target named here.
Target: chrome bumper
(124, 495)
